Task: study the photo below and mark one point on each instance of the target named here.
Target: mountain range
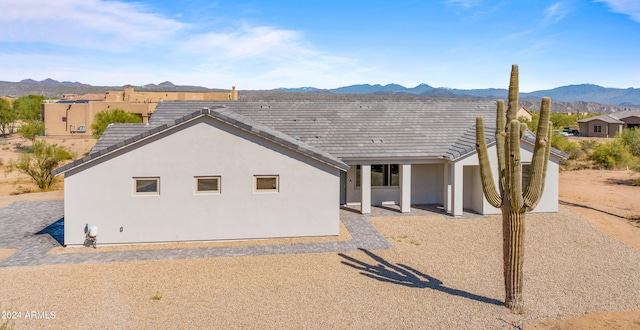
(584, 97)
(583, 92)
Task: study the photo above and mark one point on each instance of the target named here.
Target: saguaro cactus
(512, 198)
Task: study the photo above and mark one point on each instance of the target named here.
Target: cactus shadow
(404, 275)
(561, 202)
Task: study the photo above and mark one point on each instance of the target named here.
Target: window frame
(269, 176)
(387, 180)
(524, 171)
(597, 128)
(207, 192)
(146, 193)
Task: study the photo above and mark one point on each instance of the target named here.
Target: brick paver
(20, 222)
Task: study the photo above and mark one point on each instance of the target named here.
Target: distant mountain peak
(166, 84)
(28, 81)
(50, 82)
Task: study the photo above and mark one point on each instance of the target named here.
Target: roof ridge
(239, 121)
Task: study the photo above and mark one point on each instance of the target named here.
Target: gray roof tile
(112, 138)
(330, 131)
(605, 118)
(348, 130)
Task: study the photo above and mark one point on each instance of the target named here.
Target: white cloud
(247, 41)
(555, 12)
(92, 24)
(116, 43)
(626, 7)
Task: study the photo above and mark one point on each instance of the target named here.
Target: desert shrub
(631, 138)
(31, 129)
(8, 117)
(588, 146)
(29, 107)
(39, 161)
(612, 154)
(560, 120)
(106, 117)
(570, 148)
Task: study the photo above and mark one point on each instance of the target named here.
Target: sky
(464, 44)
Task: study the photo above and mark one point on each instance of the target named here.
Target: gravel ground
(441, 273)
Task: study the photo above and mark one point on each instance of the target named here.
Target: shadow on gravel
(588, 207)
(55, 230)
(401, 274)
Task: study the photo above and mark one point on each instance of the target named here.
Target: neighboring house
(607, 126)
(524, 113)
(242, 170)
(73, 115)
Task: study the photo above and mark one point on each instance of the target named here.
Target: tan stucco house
(209, 170)
(524, 113)
(607, 126)
(73, 115)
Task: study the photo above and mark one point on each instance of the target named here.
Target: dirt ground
(15, 183)
(608, 198)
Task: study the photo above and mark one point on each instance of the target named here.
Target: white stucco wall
(426, 183)
(101, 193)
(426, 187)
(549, 200)
(473, 196)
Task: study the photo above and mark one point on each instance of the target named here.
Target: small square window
(208, 184)
(146, 186)
(525, 174)
(265, 183)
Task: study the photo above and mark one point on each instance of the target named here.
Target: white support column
(365, 189)
(457, 194)
(446, 198)
(405, 188)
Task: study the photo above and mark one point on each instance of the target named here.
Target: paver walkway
(20, 222)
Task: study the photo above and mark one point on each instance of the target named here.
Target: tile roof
(626, 114)
(362, 130)
(117, 136)
(331, 132)
(613, 118)
(605, 118)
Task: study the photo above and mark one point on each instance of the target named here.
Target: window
(386, 175)
(146, 186)
(266, 183)
(525, 174)
(597, 129)
(207, 184)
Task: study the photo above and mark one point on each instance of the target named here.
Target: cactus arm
(541, 150)
(488, 185)
(513, 95)
(533, 198)
(500, 136)
(523, 129)
(515, 168)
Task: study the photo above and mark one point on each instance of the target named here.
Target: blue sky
(323, 43)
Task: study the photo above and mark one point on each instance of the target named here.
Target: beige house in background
(607, 126)
(524, 113)
(73, 115)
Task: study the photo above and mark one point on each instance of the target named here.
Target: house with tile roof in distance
(607, 126)
(73, 114)
(206, 170)
(524, 113)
